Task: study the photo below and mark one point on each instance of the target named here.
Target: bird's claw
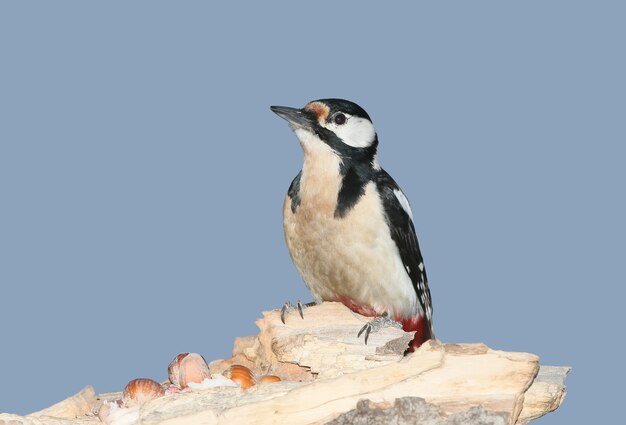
(299, 306)
(377, 324)
(283, 311)
(367, 328)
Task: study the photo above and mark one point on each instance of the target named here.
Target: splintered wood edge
(545, 395)
(78, 404)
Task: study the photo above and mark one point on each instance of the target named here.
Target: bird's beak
(297, 118)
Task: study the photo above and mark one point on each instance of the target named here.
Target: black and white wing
(398, 212)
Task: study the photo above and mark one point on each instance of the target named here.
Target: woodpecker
(348, 225)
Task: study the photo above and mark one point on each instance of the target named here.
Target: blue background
(142, 177)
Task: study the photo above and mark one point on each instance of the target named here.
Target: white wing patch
(404, 203)
(375, 164)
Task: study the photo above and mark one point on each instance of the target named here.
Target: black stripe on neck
(356, 169)
(355, 176)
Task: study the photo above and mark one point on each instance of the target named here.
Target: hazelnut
(240, 375)
(140, 391)
(186, 368)
(173, 370)
(268, 379)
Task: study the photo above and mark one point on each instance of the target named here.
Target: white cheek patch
(356, 132)
(404, 203)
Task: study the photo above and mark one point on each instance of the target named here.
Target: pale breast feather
(398, 214)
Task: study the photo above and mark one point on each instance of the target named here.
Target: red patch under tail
(419, 324)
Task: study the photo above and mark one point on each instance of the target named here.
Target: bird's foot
(289, 306)
(377, 324)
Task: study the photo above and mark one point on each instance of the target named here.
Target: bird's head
(339, 124)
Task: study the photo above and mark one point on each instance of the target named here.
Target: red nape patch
(420, 325)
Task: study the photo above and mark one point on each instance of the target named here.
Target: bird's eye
(340, 119)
